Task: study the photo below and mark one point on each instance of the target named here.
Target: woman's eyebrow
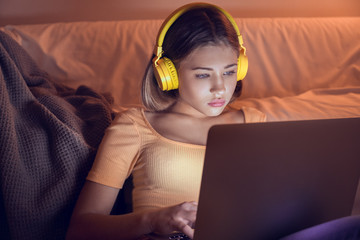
(231, 65)
(209, 69)
(202, 68)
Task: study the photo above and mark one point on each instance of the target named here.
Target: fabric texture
(287, 56)
(49, 135)
(165, 172)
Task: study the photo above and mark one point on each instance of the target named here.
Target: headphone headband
(177, 13)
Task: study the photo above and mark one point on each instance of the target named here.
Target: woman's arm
(91, 219)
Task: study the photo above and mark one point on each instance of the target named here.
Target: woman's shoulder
(133, 113)
(129, 122)
(130, 118)
(253, 115)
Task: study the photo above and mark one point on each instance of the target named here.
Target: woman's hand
(176, 218)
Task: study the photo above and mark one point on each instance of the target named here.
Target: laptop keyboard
(179, 236)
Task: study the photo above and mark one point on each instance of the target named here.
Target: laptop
(268, 180)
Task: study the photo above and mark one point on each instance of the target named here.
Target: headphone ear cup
(166, 74)
(242, 65)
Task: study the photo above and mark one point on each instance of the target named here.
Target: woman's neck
(183, 127)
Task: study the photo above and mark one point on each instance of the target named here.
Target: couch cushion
(287, 56)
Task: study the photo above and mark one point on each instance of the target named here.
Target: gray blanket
(49, 135)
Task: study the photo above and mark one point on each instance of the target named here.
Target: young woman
(163, 145)
(195, 73)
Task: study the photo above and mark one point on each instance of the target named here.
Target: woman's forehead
(211, 54)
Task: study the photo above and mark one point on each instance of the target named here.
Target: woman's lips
(217, 103)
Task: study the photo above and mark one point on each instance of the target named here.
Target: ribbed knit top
(165, 172)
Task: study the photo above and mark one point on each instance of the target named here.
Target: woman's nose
(218, 86)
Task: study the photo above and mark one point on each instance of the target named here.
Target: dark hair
(193, 29)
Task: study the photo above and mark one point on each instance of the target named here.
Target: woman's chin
(215, 112)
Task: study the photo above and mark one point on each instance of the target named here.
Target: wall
(42, 11)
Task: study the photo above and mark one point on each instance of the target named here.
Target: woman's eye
(229, 73)
(201, 76)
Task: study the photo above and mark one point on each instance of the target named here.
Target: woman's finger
(186, 229)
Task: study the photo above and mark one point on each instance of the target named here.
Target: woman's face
(207, 80)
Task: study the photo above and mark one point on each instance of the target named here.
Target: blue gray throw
(49, 134)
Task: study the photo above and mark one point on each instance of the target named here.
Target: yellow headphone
(164, 69)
